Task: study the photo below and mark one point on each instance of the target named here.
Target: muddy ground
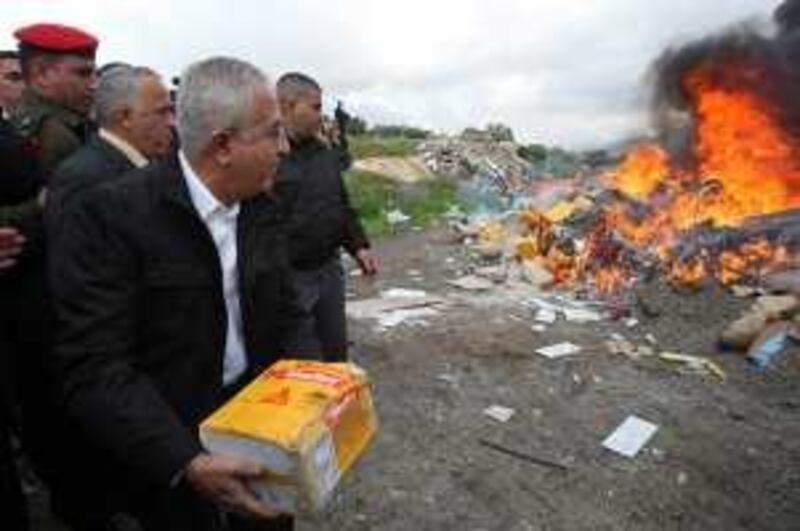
(726, 455)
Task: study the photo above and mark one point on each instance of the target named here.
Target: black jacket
(20, 179)
(316, 207)
(137, 284)
(95, 163)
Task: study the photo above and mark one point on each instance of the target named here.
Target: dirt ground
(726, 455)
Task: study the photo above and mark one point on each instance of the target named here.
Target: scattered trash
(496, 274)
(619, 345)
(683, 479)
(744, 292)
(741, 333)
(525, 457)
(546, 316)
(472, 283)
(536, 274)
(396, 217)
(406, 315)
(695, 363)
(775, 340)
(448, 378)
(499, 413)
(650, 338)
(643, 351)
(559, 350)
(396, 306)
(539, 328)
(631, 322)
(403, 293)
(579, 315)
(630, 436)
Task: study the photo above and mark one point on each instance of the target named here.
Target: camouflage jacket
(54, 133)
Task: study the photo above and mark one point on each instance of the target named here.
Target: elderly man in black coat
(172, 290)
(135, 119)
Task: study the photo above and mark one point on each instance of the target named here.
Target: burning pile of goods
(715, 198)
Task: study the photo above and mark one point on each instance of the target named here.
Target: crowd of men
(156, 253)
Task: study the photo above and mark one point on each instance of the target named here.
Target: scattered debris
(472, 283)
(580, 315)
(539, 328)
(559, 350)
(414, 316)
(396, 217)
(448, 378)
(499, 413)
(744, 292)
(536, 274)
(696, 364)
(773, 341)
(396, 306)
(496, 274)
(523, 456)
(546, 315)
(741, 333)
(630, 436)
(631, 322)
(403, 293)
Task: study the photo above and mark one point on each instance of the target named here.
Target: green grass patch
(374, 195)
(366, 146)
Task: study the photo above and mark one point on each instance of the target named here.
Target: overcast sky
(566, 73)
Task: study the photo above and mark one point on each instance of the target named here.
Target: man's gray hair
(214, 95)
(118, 90)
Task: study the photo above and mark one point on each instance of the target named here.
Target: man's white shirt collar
(204, 201)
(131, 153)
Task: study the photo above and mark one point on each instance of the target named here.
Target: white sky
(566, 73)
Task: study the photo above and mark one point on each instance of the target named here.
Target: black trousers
(15, 512)
(321, 331)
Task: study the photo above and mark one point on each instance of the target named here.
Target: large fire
(745, 164)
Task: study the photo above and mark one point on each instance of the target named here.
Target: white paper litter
(405, 315)
(630, 436)
(559, 350)
(394, 217)
(580, 315)
(499, 413)
(403, 293)
(472, 283)
(631, 322)
(539, 328)
(546, 316)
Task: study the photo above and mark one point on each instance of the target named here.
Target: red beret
(57, 38)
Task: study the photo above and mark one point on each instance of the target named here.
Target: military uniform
(50, 133)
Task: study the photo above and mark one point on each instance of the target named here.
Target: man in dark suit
(319, 221)
(134, 114)
(135, 120)
(172, 290)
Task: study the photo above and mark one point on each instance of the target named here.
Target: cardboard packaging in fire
(307, 422)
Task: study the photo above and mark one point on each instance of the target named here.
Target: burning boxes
(306, 422)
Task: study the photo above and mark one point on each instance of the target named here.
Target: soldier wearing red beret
(58, 70)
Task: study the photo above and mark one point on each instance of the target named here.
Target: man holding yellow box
(171, 290)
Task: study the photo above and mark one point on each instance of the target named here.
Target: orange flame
(746, 164)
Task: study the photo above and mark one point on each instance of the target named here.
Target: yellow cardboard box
(306, 421)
